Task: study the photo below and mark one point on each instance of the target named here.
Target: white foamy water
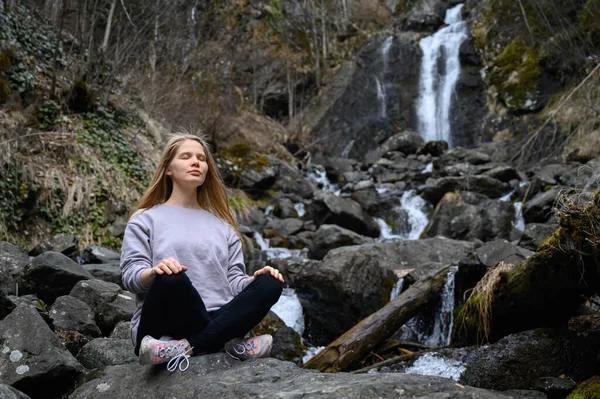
(311, 352)
(415, 207)
(385, 49)
(436, 90)
(289, 309)
(319, 177)
(428, 168)
(397, 289)
(441, 332)
(381, 97)
(519, 221)
(435, 365)
(300, 209)
(277, 252)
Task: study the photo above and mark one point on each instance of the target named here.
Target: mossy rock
(4, 91)
(79, 98)
(589, 389)
(7, 58)
(516, 74)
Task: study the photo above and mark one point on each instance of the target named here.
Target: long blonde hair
(212, 194)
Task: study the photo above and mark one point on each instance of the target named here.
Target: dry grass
(478, 306)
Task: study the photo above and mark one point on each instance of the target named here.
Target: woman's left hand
(268, 269)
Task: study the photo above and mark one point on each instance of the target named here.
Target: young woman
(182, 257)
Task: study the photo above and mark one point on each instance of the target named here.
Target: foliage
(48, 115)
(17, 191)
(20, 78)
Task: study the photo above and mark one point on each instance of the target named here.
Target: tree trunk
(291, 89)
(324, 35)
(315, 43)
(154, 43)
(546, 289)
(357, 342)
(108, 26)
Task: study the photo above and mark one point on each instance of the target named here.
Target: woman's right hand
(168, 266)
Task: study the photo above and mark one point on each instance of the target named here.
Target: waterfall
(381, 98)
(415, 207)
(385, 48)
(289, 309)
(436, 88)
(397, 289)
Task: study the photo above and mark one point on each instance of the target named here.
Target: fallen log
(357, 342)
(546, 289)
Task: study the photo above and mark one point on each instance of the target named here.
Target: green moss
(589, 389)
(235, 160)
(516, 74)
(388, 285)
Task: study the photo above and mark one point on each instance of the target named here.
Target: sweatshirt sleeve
(136, 255)
(236, 272)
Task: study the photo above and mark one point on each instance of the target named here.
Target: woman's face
(188, 167)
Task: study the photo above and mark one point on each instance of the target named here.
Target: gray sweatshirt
(208, 246)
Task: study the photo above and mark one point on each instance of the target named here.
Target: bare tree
(315, 42)
(108, 26)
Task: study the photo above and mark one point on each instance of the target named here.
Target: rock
(6, 306)
(102, 352)
(494, 252)
(33, 359)
(588, 389)
(555, 387)
(66, 244)
(536, 233)
(330, 236)
(8, 392)
(408, 256)
(110, 272)
(218, 375)
(253, 180)
(122, 330)
(539, 208)
(70, 314)
(284, 209)
(434, 148)
(336, 293)
(284, 228)
(407, 142)
(290, 180)
(108, 301)
(51, 275)
(503, 173)
(550, 174)
(287, 343)
(367, 199)
(12, 263)
(517, 361)
(426, 16)
(96, 254)
(481, 184)
(329, 209)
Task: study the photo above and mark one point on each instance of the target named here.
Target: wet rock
(257, 181)
(434, 148)
(33, 359)
(407, 142)
(70, 314)
(536, 233)
(555, 387)
(329, 209)
(539, 208)
(336, 293)
(96, 254)
(102, 352)
(287, 343)
(330, 236)
(284, 209)
(51, 275)
(255, 219)
(110, 272)
(504, 173)
(485, 185)
(8, 392)
(290, 180)
(66, 244)
(426, 16)
(283, 228)
(493, 252)
(519, 360)
(12, 263)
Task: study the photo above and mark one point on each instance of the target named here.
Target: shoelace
(180, 361)
(242, 347)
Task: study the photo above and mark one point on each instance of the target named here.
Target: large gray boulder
(96, 254)
(290, 180)
(71, 314)
(66, 244)
(283, 227)
(6, 306)
(12, 263)
(494, 252)
(329, 209)
(409, 256)
(486, 185)
(336, 293)
(220, 376)
(122, 330)
(102, 352)
(539, 208)
(108, 301)
(287, 343)
(536, 233)
(110, 272)
(33, 359)
(330, 236)
(407, 142)
(51, 275)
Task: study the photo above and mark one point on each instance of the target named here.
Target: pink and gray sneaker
(250, 348)
(157, 351)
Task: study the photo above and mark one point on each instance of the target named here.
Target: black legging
(174, 308)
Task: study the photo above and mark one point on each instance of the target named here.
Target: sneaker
(157, 351)
(249, 348)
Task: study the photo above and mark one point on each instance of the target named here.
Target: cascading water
(414, 206)
(385, 49)
(436, 89)
(381, 98)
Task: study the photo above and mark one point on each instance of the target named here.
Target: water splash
(300, 209)
(414, 206)
(319, 178)
(397, 289)
(277, 252)
(381, 97)
(385, 49)
(435, 365)
(436, 90)
(289, 309)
